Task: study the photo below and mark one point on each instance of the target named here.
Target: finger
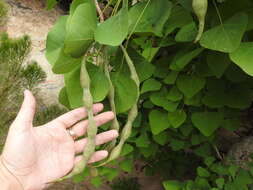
(81, 127)
(26, 113)
(96, 157)
(101, 138)
(70, 118)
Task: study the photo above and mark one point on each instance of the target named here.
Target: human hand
(38, 155)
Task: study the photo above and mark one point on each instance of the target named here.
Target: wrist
(7, 180)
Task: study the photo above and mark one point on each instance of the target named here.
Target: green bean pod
(92, 128)
(200, 10)
(127, 129)
(111, 96)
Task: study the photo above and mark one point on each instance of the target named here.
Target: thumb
(26, 113)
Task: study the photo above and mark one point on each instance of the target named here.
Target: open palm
(38, 155)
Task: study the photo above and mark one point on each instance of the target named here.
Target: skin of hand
(35, 156)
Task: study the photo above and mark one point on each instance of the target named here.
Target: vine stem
(100, 12)
(111, 97)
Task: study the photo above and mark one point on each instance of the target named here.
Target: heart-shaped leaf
(149, 16)
(190, 85)
(243, 57)
(158, 121)
(177, 118)
(227, 36)
(114, 30)
(207, 122)
(80, 30)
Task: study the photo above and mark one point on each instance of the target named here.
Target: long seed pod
(92, 128)
(127, 129)
(111, 96)
(200, 10)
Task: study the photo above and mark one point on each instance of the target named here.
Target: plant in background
(126, 184)
(144, 56)
(14, 78)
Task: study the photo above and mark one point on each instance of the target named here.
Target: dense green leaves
(114, 30)
(187, 90)
(149, 16)
(227, 36)
(80, 30)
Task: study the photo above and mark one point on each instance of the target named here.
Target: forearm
(7, 180)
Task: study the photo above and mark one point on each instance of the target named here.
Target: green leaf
(190, 85)
(96, 181)
(159, 99)
(227, 36)
(179, 18)
(183, 58)
(218, 63)
(73, 88)
(171, 77)
(202, 172)
(143, 140)
(51, 4)
(162, 138)
(55, 40)
(149, 16)
(207, 122)
(158, 121)
(172, 185)
(80, 29)
(109, 173)
(127, 149)
(233, 170)
(187, 33)
(75, 4)
(243, 178)
(125, 92)
(174, 94)
(144, 69)
(177, 118)
(126, 165)
(99, 86)
(177, 145)
(65, 63)
(243, 57)
(220, 182)
(150, 85)
(114, 30)
(63, 97)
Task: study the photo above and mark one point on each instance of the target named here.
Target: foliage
(126, 184)
(188, 91)
(14, 78)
